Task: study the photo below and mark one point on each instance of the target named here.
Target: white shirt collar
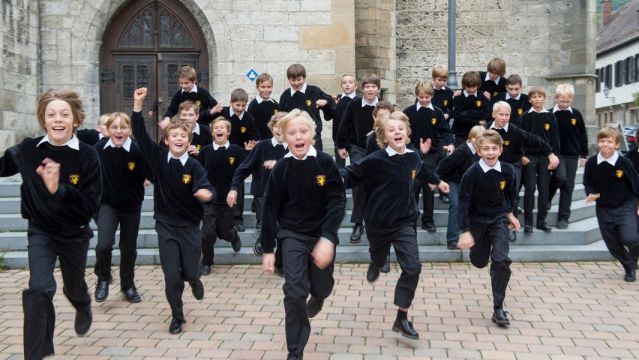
(466, 94)
(485, 166)
(487, 78)
(193, 89)
(391, 152)
(302, 90)
(429, 106)
(183, 158)
(543, 110)
(311, 152)
(73, 143)
(260, 99)
(351, 95)
(556, 108)
(216, 146)
(100, 136)
(441, 88)
(231, 113)
(196, 129)
(471, 147)
(492, 126)
(611, 160)
(275, 143)
(126, 145)
(510, 97)
(364, 103)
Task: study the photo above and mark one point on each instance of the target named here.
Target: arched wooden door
(145, 43)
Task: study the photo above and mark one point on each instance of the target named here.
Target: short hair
(263, 77)
(440, 71)
(239, 95)
(113, 116)
(187, 72)
(424, 87)
(295, 71)
(371, 79)
(187, 105)
(349, 74)
(293, 114)
(490, 136)
(103, 118)
(536, 90)
(178, 125)
(471, 78)
(221, 119)
(496, 66)
(609, 132)
(514, 79)
(381, 127)
(475, 132)
(565, 90)
(275, 118)
(501, 105)
(383, 105)
(67, 95)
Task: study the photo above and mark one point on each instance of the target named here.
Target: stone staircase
(580, 242)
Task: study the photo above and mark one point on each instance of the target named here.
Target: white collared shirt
(260, 99)
(231, 113)
(543, 110)
(487, 78)
(183, 158)
(508, 97)
(126, 145)
(364, 103)
(216, 146)
(196, 129)
(556, 108)
(471, 147)
(275, 143)
(429, 106)
(492, 126)
(351, 95)
(311, 152)
(466, 94)
(73, 143)
(611, 160)
(302, 90)
(486, 168)
(391, 152)
(193, 89)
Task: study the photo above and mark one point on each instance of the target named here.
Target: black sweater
(616, 184)
(443, 99)
(517, 107)
(262, 113)
(123, 174)
(633, 156)
(254, 163)
(66, 212)
(389, 184)
(453, 167)
(242, 131)
(199, 140)
(305, 197)
(428, 124)
(516, 140)
(220, 165)
(544, 125)
(356, 123)
(88, 136)
(338, 114)
(306, 102)
(490, 86)
(174, 183)
(468, 111)
(202, 98)
(572, 133)
(486, 196)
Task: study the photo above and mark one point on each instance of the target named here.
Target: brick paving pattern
(557, 311)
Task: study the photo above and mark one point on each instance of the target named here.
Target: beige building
(106, 48)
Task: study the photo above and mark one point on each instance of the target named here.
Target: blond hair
(490, 136)
(382, 123)
(609, 132)
(440, 71)
(565, 90)
(113, 116)
(293, 114)
(424, 87)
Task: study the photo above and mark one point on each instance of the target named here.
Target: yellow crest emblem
(546, 126)
(619, 173)
(478, 103)
(433, 121)
(520, 111)
(321, 180)
(308, 102)
(74, 178)
(495, 93)
(131, 165)
(231, 160)
(186, 178)
(198, 147)
(502, 184)
(506, 142)
(573, 121)
(198, 103)
(413, 173)
(243, 129)
(445, 102)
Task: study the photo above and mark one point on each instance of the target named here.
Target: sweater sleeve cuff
(334, 240)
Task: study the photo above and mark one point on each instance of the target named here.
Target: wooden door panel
(134, 71)
(168, 64)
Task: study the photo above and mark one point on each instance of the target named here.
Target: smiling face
(370, 92)
(177, 140)
(396, 135)
(607, 146)
(424, 98)
(118, 131)
(537, 101)
(189, 116)
(238, 107)
(296, 83)
(501, 115)
(299, 136)
(489, 152)
(58, 122)
(265, 89)
(220, 131)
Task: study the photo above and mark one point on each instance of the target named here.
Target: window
(598, 81)
(619, 73)
(608, 76)
(630, 70)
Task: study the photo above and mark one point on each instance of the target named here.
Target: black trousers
(301, 278)
(491, 243)
(37, 301)
(428, 196)
(238, 209)
(318, 145)
(217, 221)
(179, 254)
(341, 163)
(619, 229)
(108, 220)
(518, 178)
(404, 240)
(563, 179)
(536, 175)
(259, 207)
(359, 196)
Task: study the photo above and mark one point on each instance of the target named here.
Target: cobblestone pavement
(557, 310)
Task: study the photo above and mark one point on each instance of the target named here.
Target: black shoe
(102, 290)
(176, 326)
(131, 295)
(356, 235)
(386, 268)
(500, 317)
(83, 319)
(373, 272)
(237, 245)
(444, 198)
(279, 271)
(257, 249)
(205, 270)
(239, 227)
(512, 236)
(405, 327)
(313, 307)
(429, 226)
(452, 245)
(562, 224)
(630, 276)
(528, 229)
(544, 227)
(198, 289)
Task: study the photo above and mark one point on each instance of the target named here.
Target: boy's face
(298, 136)
(118, 132)
(186, 84)
(220, 132)
(296, 83)
(101, 126)
(537, 101)
(275, 130)
(189, 116)
(382, 113)
(348, 84)
(396, 135)
(489, 152)
(177, 141)
(563, 101)
(471, 90)
(265, 89)
(513, 90)
(58, 122)
(438, 82)
(370, 92)
(493, 77)
(424, 98)
(238, 107)
(501, 116)
(607, 146)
